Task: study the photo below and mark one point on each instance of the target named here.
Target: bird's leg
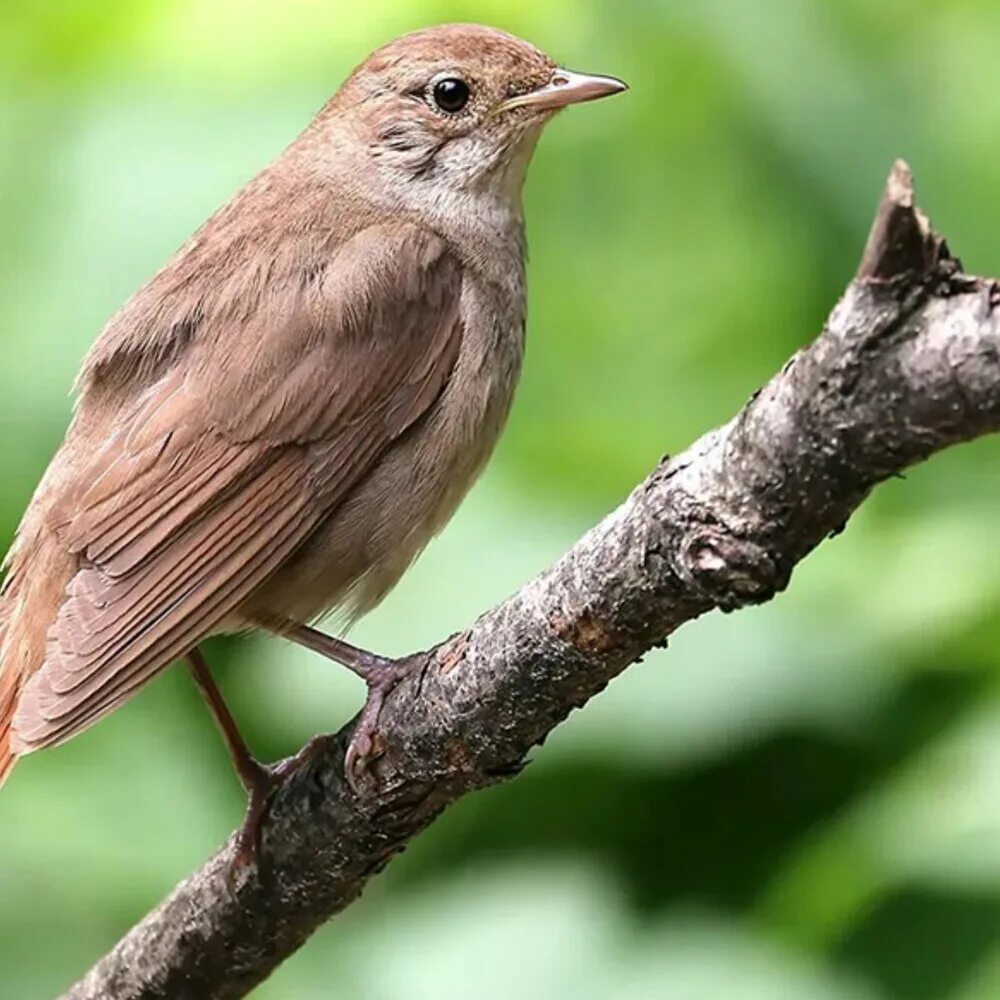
(259, 780)
(380, 673)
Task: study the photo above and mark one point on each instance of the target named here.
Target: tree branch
(908, 364)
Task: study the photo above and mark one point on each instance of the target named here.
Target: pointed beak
(566, 88)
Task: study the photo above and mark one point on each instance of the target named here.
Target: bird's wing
(228, 463)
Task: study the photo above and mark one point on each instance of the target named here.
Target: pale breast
(359, 554)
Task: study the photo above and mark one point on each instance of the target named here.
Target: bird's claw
(364, 745)
(246, 847)
(261, 784)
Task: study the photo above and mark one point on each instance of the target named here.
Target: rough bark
(908, 364)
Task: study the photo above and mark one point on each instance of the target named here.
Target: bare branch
(908, 364)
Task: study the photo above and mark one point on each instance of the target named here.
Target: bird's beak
(564, 88)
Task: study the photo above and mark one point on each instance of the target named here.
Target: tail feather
(8, 703)
(7, 756)
(25, 605)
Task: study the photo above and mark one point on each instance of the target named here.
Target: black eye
(451, 95)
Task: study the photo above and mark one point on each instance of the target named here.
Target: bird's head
(457, 109)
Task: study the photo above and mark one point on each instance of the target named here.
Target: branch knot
(731, 572)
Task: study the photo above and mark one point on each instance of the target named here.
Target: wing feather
(224, 469)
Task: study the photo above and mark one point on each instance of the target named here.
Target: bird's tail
(7, 756)
(9, 683)
(24, 600)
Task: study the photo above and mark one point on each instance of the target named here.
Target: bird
(273, 427)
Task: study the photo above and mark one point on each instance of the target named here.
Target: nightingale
(273, 427)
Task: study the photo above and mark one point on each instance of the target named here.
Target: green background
(797, 801)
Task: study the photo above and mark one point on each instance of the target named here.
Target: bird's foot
(381, 675)
(261, 782)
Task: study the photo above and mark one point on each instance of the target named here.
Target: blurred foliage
(798, 801)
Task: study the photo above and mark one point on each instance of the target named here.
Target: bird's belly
(368, 542)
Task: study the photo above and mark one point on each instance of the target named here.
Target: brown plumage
(276, 424)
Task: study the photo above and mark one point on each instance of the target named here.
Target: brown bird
(277, 423)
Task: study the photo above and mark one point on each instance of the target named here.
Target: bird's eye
(451, 95)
